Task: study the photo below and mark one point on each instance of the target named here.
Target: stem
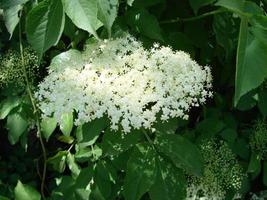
(149, 140)
(35, 111)
(193, 18)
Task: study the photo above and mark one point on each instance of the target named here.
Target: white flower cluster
(131, 85)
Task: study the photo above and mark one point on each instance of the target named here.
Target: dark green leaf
(88, 133)
(265, 173)
(83, 14)
(262, 101)
(16, 125)
(140, 173)
(145, 23)
(170, 182)
(196, 4)
(66, 123)
(181, 151)
(107, 12)
(45, 24)
(48, 125)
(251, 61)
(115, 143)
(25, 192)
(254, 166)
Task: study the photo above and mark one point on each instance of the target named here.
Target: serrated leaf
(66, 123)
(11, 18)
(140, 173)
(107, 12)
(181, 151)
(170, 182)
(145, 23)
(83, 14)
(48, 125)
(7, 105)
(44, 25)
(16, 126)
(6, 4)
(25, 192)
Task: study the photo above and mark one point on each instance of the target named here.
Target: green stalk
(35, 112)
(193, 18)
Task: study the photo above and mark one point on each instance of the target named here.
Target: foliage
(218, 151)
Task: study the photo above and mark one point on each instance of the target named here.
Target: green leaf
(16, 125)
(74, 168)
(3, 198)
(115, 143)
(66, 59)
(181, 151)
(170, 182)
(251, 67)
(25, 192)
(58, 161)
(262, 102)
(48, 125)
(66, 123)
(88, 133)
(254, 166)
(83, 14)
(236, 6)
(44, 25)
(11, 18)
(6, 4)
(229, 135)
(130, 2)
(107, 12)
(7, 105)
(146, 3)
(140, 173)
(145, 23)
(264, 173)
(196, 4)
(66, 139)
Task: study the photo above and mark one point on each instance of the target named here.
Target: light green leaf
(16, 125)
(170, 182)
(66, 123)
(141, 172)
(236, 6)
(196, 4)
(74, 168)
(7, 105)
(107, 12)
(181, 151)
(48, 125)
(251, 67)
(44, 25)
(25, 192)
(130, 2)
(66, 59)
(145, 23)
(58, 161)
(11, 18)
(83, 14)
(6, 4)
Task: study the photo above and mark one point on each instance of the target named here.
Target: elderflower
(221, 173)
(11, 69)
(258, 140)
(131, 85)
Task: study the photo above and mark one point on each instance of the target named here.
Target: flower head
(128, 83)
